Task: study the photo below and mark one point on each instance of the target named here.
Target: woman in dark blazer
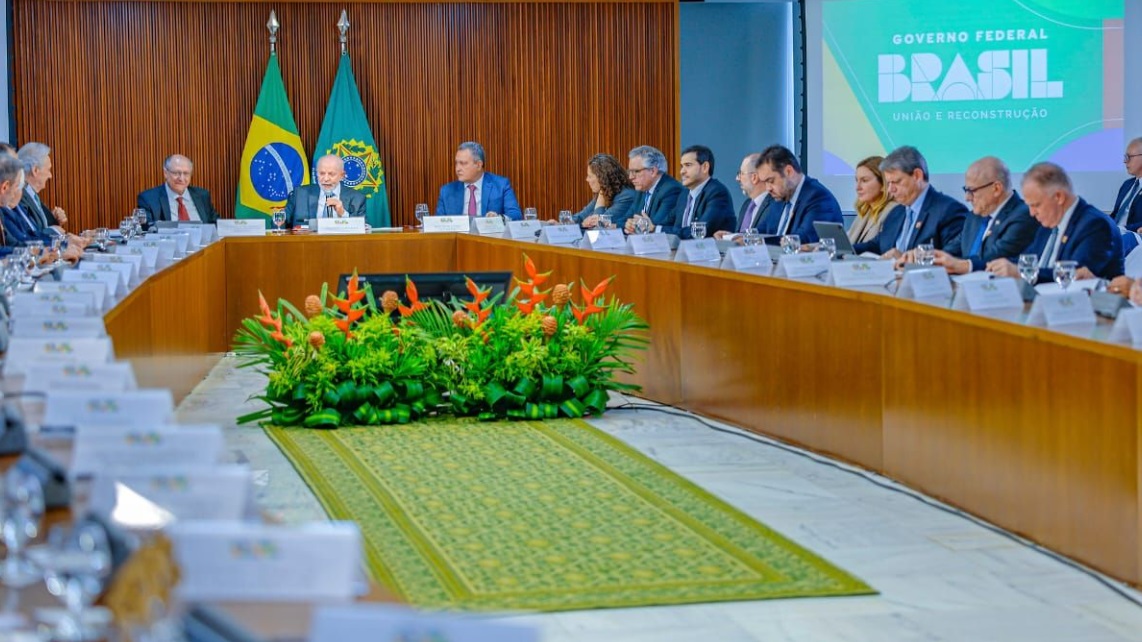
(614, 193)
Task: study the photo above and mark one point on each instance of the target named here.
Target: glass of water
(605, 222)
(127, 228)
(1029, 268)
(565, 217)
(278, 214)
(643, 225)
(925, 254)
(828, 246)
(140, 215)
(420, 212)
(698, 230)
(530, 214)
(752, 237)
(1065, 273)
(790, 244)
(22, 503)
(76, 563)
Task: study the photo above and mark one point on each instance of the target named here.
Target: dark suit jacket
(1092, 239)
(662, 201)
(940, 223)
(814, 203)
(1134, 219)
(16, 229)
(302, 204)
(158, 207)
(714, 207)
(757, 216)
(1013, 232)
(496, 195)
(620, 210)
(44, 215)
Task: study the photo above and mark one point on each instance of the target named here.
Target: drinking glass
(278, 217)
(530, 214)
(1029, 268)
(140, 216)
(1065, 273)
(605, 222)
(35, 253)
(698, 230)
(76, 563)
(752, 237)
(925, 254)
(790, 244)
(101, 237)
(22, 503)
(127, 228)
(565, 217)
(829, 246)
(420, 212)
(643, 224)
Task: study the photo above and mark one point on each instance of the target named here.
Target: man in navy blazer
(924, 215)
(657, 190)
(476, 192)
(329, 197)
(169, 202)
(1002, 226)
(1074, 230)
(757, 199)
(706, 199)
(797, 200)
(1127, 211)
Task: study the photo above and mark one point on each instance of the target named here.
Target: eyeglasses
(1126, 157)
(185, 174)
(635, 172)
(970, 191)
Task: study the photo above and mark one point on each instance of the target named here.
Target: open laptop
(835, 231)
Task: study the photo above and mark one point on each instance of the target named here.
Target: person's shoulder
(717, 186)
(946, 202)
(152, 192)
(497, 179)
(818, 191)
(669, 182)
(1091, 215)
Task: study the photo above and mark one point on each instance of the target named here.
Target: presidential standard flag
(345, 132)
(273, 160)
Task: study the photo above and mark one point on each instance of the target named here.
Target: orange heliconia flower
(413, 299)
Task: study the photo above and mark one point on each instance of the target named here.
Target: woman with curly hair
(872, 200)
(614, 193)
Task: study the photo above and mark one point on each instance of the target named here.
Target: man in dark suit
(1002, 225)
(924, 215)
(37, 161)
(327, 199)
(1127, 211)
(658, 191)
(476, 192)
(798, 200)
(707, 199)
(170, 202)
(1074, 230)
(756, 199)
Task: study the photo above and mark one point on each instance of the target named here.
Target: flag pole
(343, 27)
(273, 25)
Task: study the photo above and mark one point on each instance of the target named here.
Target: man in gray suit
(37, 161)
(327, 199)
(176, 199)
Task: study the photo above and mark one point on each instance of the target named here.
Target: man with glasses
(658, 191)
(1002, 225)
(1127, 211)
(756, 202)
(176, 199)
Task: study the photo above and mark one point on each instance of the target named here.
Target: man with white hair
(327, 198)
(176, 199)
(37, 161)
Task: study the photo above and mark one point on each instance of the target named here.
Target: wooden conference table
(1031, 429)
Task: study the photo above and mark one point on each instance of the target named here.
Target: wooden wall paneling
(116, 87)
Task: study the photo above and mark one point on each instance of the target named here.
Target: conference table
(1034, 430)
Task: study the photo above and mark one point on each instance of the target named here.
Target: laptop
(835, 231)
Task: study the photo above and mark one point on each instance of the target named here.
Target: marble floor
(941, 577)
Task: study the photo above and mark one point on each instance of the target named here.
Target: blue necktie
(1124, 209)
(977, 245)
(906, 231)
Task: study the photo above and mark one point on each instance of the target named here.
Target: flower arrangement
(344, 361)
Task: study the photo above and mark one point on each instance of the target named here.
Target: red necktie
(471, 200)
(183, 215)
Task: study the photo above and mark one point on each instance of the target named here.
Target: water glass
(1065, 273)
(565, 217)
(643, 224)
(140, 216)
(752, 237)
(925, 254)
(530, 214)
(102, 235)
(790, 244)
(127, 228)
(420, 212)
(605, 222)
(1029, 268)
(829, 246)
(76, 563)
(22, 503)
(698, 230)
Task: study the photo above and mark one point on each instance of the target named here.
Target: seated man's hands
(1003, 267)
(1120, 285)
(952, 264)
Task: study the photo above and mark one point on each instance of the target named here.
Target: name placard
(750, 259)
(806, 265)
(109, 280)
(241, 227)
(928, 284)
(606, 240)
(561, 235)
(343, 225)
(77, 300)
(649, 244)
(249, 561)
(1127, 327)
(1062, 308)
(697, 251)
(195, 232)
(100, 448)
(527, 231)
(167, 249)
(181, 239)
(488, 225)
(97, 291)
(138, 270)
(58, 327)
(149, 256)
(441, 224)
(141, 408)
(54, 310)
(209, 232)
(22, 353)
(116, 376)
(1083, 285)
(179, 492)
(992, 294)
(864, 275)
(367, 623)
(124, 270)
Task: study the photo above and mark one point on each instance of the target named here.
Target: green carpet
(543, 516)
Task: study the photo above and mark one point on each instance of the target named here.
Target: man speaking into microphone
(327, 199)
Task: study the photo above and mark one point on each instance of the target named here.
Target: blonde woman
(872, 202)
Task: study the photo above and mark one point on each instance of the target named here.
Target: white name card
(133, 260)
(928, 284)
(1063, 308)
(805, 265)
(453, 224)
(81, 300)
(152, 496)
(58, 327)
(697, 251)
(23, 353)
(110, 281)
(488, 225)
(258, 562)
(342, 225)
(1084, 285)
(97, 291)
(241, 227)
(561, 235)
(751, 259)
(181, 239)
(862, 274)
(375, 622)
(116, 376)
(648, 244)
(523, 230)
(1127, 327)
(100, 448)
(141, 408)
(54, 310)
(195, 232)
(992, 294)
(209, 231)
(149, 256)
(606, 240)
(123, 270)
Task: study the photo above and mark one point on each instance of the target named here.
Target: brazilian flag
(345, 132)
(273, 160)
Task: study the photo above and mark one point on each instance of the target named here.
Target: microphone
(329, 211)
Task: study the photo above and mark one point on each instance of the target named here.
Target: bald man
(176, 199)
